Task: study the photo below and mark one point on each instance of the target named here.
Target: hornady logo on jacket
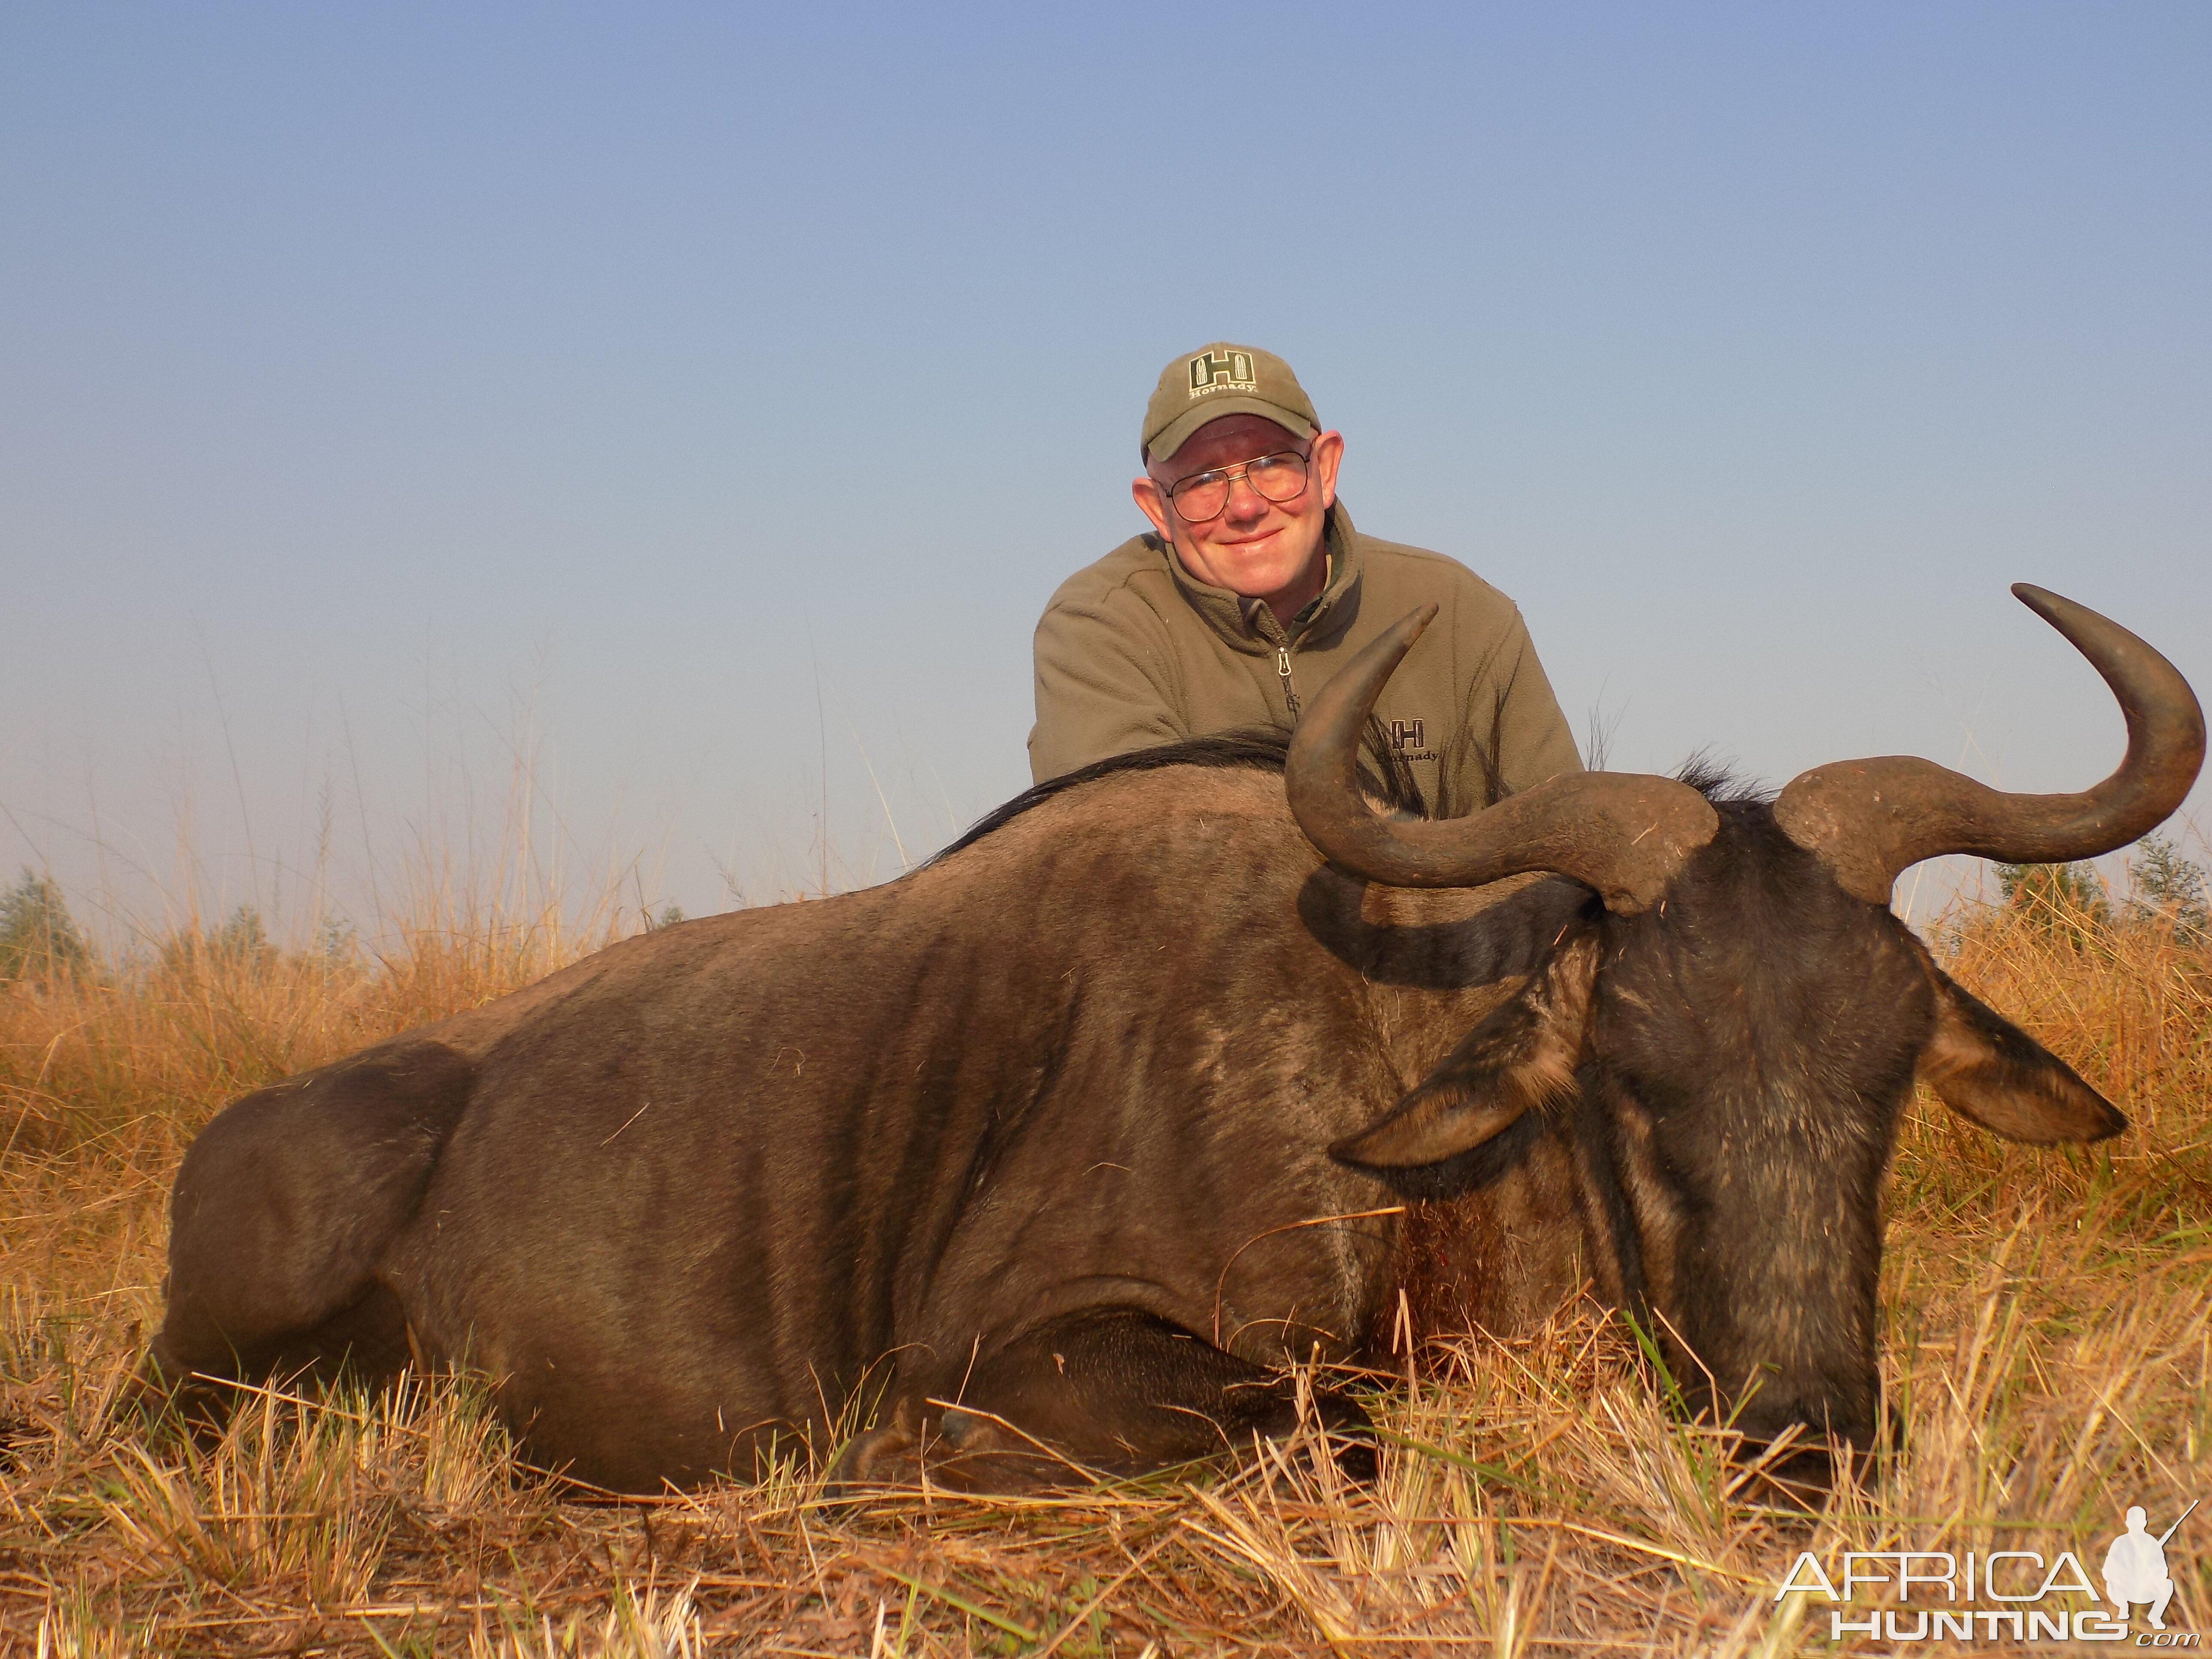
(1409, 738)
(1229, 371)
(2035, 1603)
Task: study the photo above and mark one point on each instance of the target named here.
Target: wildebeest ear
(1985, 1069)
(1522, 1056)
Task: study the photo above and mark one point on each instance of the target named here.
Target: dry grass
(2047, 1348)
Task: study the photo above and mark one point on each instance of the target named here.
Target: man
(1254, 588)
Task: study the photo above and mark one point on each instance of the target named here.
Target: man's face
(1261, 549)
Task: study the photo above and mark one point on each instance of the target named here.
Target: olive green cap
(1224, 379)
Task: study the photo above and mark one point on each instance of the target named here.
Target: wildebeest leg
(1115, 1389)
(283, 1208)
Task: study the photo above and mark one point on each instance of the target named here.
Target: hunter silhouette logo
(1231, 372)
(2022, 1583)
(2135, 1567)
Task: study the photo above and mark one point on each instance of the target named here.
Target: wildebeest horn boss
(1057, 1150)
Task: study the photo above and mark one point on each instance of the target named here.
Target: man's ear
(1523, 1054)
(1152, 501)
(1328, 457)
(1986, 1069)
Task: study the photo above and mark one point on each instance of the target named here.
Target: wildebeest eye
(1523, 1055)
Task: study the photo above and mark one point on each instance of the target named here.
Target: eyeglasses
(1203, 495)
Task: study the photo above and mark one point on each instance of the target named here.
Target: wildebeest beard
(1062, 1147)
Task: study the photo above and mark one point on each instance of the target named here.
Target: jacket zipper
(1282, 668)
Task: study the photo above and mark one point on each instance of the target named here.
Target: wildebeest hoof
(1354, 1450)
(965, 1450)
(1347, 1430)
(957, 1428)
(163, 1399)
(976, 1453)
(1801, 1478)
(887, 1456)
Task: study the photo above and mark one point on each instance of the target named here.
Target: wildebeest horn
(1869, 819)
(1623, 834)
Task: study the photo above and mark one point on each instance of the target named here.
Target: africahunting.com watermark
(2038, 1601)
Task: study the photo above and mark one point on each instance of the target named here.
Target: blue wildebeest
(1157, 1080)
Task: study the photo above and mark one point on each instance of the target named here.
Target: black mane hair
(1720, 783)
(1259, 750)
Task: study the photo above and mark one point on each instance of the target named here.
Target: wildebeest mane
(1721, 783)
(1261, 750)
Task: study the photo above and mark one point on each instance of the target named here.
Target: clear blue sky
(702, 402)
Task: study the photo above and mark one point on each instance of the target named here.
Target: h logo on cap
(1209, 373)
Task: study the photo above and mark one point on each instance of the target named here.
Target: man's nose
(1244, 502)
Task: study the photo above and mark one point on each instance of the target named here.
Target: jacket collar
(1249, 626)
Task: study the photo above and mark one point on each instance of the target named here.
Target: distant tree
(2070, 896)
(39, 938)
(242, 938)
(336, 943)
(240, 941)
(2168, 890)
(670, 916)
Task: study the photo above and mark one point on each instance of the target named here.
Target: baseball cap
(1220, 380)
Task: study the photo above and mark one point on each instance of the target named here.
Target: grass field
(2048, 1347)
